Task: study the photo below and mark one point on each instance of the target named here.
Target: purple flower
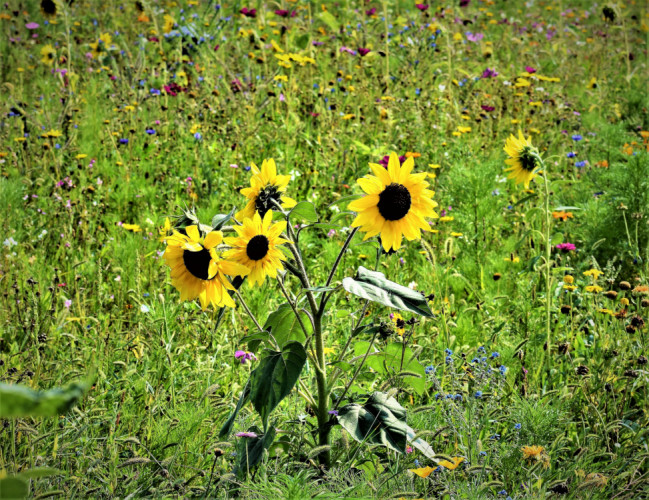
(363, 51)
(422, 6)
(249, 12)
(32, 26)
(530, 69)
(486, 108)
(123, 141)
(474, 38)
(370, 12)
(489, 73)
(348, 50)
(580, 164)
(333, 412)
(246, 434)
(577, 138)
(571, 154)
(566, 247)
(244, 356)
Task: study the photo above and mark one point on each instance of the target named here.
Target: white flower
(412, 285)
(10, 242)
(442, 87)
(144, 308)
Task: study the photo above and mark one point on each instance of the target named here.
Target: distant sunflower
(256, 247)
(197, 271)
(101, 46)
(48, 55)
(265, 187)
(522, 159)
(48, 8)
(396, 205)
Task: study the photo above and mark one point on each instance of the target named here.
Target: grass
(83, 296)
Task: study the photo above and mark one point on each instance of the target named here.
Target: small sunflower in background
(396, 204)
(48, 55)
(256, 247)
(265, 187)
(197, 271)
(48, 8)
(522, 159)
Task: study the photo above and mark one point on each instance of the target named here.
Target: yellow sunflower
(522, 158)
(101, 46)
(256, 247)
(48, 8)
(265, 186)
(48, 55)
(197, 271)
(396, 205)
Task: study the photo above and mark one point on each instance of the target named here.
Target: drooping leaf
(18, 401)
(304, 210)
(381, 420)
(372, 285)
(275, 377)
(250, 450)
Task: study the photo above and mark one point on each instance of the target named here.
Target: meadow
(292, 249)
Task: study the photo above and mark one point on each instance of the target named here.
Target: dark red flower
(363, 51)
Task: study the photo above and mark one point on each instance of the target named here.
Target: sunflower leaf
(285, 327)
(220, 220)
(305, 211)
(373, 285)
(381, 420)
(275, 377)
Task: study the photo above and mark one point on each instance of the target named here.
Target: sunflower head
(48, 55)
(256, 247)
(523, 159)
(265, 191)
(396, 204)
(48, 8)
(197, 270)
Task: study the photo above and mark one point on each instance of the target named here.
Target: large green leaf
(227, 426)
(394, 360)
(18, 401)
(381, 420)
(275, 377)
(304, 210)
(284, 327)
(250, 450)
(372, 285)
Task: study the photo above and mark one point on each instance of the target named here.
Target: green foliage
(19, 401)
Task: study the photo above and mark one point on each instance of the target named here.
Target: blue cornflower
(449, 360)
(571, 154)
(150, 131)
(417, 464)
(482, 349)
(458, 397)
(478, 394)
(580, 164)
(495, 355)
(474, 360)
(482, 454)
(448, 352)
(198, 136)
(495, 437)
(123, 141)
(503, 369)
(518, 427)
(429, 369)
(577, 137)
(502, 492)
(437, 396)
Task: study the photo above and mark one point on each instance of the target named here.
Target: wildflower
(256, 247)
(399, 323)
(571, 154)
(197, 271)
(568, 279)
(132, 227)
(363, 51)
(495, 355)
(429, 369)
(489, 73)
(518, 427)
(595, 273)
(577, 137)
(593, 289)
(562, 215)
(478, 394)
(266, 189)
(502, 369)
(248, 12)
(422, 472)
(451, 465)
(523, 159)
(333, 412)
(246, 434)
(396, 204)
(244, 356)
(566, 247)
(580, 164)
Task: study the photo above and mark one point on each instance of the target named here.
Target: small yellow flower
(570, 288)
(132, 227)
(568, 279)
(593, 289)
(595, 273)
(624, 301)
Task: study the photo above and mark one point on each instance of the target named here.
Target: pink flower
(32, 26)
(422, 6)
(244, 356)
(530, 69)
(246, 434)
(474, 37)
(363, 51)
(566, 247)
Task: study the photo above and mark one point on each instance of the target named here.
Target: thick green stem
(323, 392)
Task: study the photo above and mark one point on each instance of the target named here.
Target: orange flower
(562, 215)
(602, 164)
(452, 465)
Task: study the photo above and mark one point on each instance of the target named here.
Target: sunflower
(48, 8)
(396, 205)
(197, 271)
(48, 55)
(265, 187)
(101, 45)
(522, 159)
(256, 247)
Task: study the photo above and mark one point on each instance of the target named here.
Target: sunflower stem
(349, 239)
(548, 270)
(248, 311)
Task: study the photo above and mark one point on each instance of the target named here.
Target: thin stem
(548, 255)
(245, 306)
(335, 266)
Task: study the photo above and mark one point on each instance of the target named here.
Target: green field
(412, 319)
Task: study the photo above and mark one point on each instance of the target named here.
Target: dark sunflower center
(527, 159)
(49, 7)
(394, 202)
(264, 201)
(257, 247)
(198, 263)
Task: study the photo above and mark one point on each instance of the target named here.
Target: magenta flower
(244, 356)
(422, 6)
(464, 3)
(489, 73)
(249, 12)
(32, 26)
(474, 37)
(370, 12)
(486, 108)
(566, 247)
(530, 69)
(246, 434)
(363, 51)
(348, 50)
